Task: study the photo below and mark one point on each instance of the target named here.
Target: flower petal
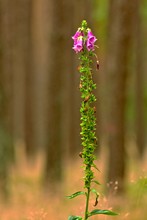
(91, 37)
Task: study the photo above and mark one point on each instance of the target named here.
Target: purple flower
(89, 45)
(91, 37)
(78, 44)
(78, 41)
(90, 40)
(76, 36)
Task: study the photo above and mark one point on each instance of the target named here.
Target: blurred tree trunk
(7, 51)
(7, 38)
(29, 85)
(139, 78)
(57, 70)
(119, 36)
(74, 98)
(21, 9)
(37, 77)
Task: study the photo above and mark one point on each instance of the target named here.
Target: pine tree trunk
(117, 70)
(56, 93)
(139, 79)
(7, 38)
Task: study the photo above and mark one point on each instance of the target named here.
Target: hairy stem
(87, 204)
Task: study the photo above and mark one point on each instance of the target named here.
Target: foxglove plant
(84, 45)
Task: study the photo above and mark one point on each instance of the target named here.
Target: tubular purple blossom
(77, 35)
(91, 38)
(78, 45)
(80, 40)
(89, 45)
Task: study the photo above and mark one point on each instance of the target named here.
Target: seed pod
(96, 202)
(97, 64)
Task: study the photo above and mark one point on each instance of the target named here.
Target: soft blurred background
(40, 101)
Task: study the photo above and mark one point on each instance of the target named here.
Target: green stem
(87, 204)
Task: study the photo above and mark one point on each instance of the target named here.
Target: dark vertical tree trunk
(30, 82)
(15, 48)
(139, 79)
(7, 37)
(19, 62)
(37, 77)
(74, 99)
(7, 51)
(57, 106)
(22, 52)
(117, 69)
(29, 85)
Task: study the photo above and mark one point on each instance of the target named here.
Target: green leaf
(99, 211)
(72, 217)
(95, 167)
(76, 194)
(95, 181)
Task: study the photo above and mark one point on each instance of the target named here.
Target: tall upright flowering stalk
(84, 45)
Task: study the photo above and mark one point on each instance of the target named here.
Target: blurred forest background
(40, 101)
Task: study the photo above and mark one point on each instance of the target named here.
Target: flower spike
(84, 45)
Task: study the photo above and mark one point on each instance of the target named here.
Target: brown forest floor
(29, 203)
